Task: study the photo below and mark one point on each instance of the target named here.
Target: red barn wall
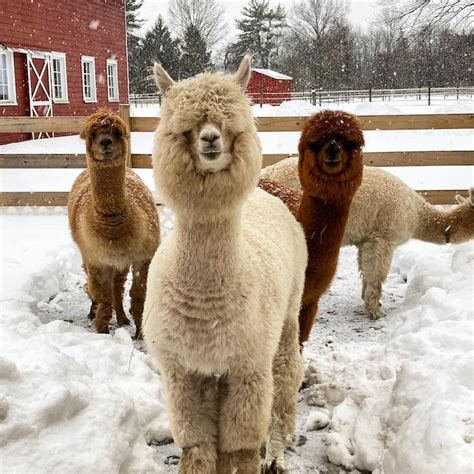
(275, 91)
(65, 26)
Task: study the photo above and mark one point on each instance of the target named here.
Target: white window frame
(93, 87)
(114, 78)
(11, 100)
(61, 57)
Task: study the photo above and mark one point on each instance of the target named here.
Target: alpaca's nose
(105, 140)
(210, 137)
(333, 148)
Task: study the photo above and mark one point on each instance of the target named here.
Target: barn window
(59, 77)
(7, 78)
(88, 79)
(112, 80)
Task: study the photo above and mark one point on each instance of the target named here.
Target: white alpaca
(224, 288)
(384, 214)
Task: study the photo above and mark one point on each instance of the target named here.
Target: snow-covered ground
(431, 177)
(392, 396)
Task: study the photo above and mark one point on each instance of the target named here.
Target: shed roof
(273, 74)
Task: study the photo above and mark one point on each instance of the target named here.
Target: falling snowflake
(94, 24)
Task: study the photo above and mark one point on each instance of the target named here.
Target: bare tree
(207, 16)
(311, 19)
(433, 13)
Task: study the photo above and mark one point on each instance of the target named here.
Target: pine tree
(195, 58)
(261, 29)
(131, 11)
(156, 46)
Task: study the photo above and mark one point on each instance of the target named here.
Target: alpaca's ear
(460, 199)
(163, 79)
(242, 76)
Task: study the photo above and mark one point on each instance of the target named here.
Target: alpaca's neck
(208, 253)
(324, 223)
(108, 189)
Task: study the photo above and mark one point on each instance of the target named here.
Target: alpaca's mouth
(211, 155)
(332, 161)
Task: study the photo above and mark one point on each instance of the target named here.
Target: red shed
(61, 57)
(276, 87)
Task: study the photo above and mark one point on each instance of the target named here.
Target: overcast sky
(361, 11)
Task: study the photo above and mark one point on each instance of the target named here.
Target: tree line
(314, 42)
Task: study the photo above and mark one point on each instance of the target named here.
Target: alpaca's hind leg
(375, 258)
(245, 401)
(192, 401)
(288, 371)
(118, 290)
(137, 293)
(99, 287)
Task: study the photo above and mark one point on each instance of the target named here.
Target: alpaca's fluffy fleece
(224, 288)
(384, 214)
(113, 220)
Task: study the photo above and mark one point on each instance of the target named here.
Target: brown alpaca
(113, 220)
(330, 171)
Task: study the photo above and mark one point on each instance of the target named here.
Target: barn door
(39, 87)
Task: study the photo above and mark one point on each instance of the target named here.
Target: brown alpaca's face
(332, 155)
(105, 144)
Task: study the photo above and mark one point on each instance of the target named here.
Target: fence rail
(317, 96)
(264, 124)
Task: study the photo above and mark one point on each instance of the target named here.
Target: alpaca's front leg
(99, 287)
(192, 403)
(375, 258)
(288, 370)
(245, 407)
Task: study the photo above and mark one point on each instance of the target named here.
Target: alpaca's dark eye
(93, 135)
(315, 147)
(118, 134)
(350, 145)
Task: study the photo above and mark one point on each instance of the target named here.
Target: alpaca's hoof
(376, 314)
(196, 459)
(123, 321)
(272, 466)
(138, 336)
(102, 328)
(92, 311)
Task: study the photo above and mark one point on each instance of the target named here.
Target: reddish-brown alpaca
(330, 171)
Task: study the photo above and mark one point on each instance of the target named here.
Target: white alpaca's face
(212, 147)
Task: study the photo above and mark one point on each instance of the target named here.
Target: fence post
(457, 93)
(429, 92)
(313, 97)
(320, 96)
(124, 112)
(370, 92)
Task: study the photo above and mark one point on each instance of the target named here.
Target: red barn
(274, 86)
(61, 57)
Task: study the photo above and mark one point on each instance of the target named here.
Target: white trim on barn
(273, 74)
(59, 78)
(89, 89)
(7, 78)
(112, 80)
